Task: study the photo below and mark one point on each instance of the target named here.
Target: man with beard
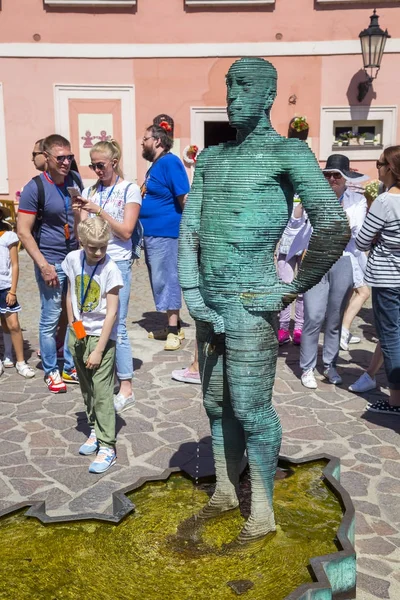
(164, 193)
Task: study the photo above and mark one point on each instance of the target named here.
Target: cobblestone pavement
(41, 432)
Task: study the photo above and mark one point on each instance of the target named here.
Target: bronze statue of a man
(239, 205)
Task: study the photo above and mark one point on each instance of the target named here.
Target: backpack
(137, 233)
(41, 199)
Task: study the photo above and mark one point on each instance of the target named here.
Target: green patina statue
(239, 205)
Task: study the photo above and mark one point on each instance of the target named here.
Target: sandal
(25, 370)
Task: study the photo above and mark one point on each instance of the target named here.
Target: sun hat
(5, 212)
(338, 163)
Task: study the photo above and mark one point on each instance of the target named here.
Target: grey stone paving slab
(40, 433)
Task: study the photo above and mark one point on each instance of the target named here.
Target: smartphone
(73, 192)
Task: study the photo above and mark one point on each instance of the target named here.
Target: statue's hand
(200, 312)
(273, 300)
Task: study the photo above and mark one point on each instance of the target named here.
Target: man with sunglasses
(47, 234)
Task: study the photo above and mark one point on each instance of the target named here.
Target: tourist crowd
(83, 242)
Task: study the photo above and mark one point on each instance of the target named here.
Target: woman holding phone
(118, 202)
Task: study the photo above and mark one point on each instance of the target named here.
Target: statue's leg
(227, 433)
(251, 354)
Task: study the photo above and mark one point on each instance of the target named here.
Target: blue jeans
(161, 256)
(386, 305)
(123, 349)
(50, 311)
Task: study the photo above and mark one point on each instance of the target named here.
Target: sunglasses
(61, 159)
(148, 138)
(381, 164)
(99, 165)
(329, 174)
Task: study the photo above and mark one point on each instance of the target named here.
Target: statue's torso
(244, 213)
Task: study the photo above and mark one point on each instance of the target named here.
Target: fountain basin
(73, 557)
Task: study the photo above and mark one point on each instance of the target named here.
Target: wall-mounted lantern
(373, 42)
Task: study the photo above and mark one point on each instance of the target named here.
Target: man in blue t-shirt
(48, 239)
(164, 193)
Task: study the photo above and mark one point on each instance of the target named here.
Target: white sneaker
(354, 339)
(344, 339)
(121, 403)
(25, 370)
(308, 379)
(8, 363)
(364, 383)
(332, 375)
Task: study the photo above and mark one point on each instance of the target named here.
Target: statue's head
(251, 91)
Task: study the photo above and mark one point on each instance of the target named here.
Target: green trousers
(97, 386)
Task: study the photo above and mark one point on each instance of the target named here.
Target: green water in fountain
(143, 558)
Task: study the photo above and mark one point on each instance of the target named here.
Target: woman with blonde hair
(118, 202)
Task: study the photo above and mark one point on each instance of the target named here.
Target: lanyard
(64, 197)
(109, 194)
(84, 294)
(66, 206)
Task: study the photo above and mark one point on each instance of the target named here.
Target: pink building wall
(166, 21)
(174, 85)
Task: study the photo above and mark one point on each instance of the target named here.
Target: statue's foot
(256, 528)
(218, 504)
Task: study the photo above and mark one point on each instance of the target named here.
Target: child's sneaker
(55, 383)
(25, 370)
(283, 337)
(105, 458)
(8, 363)
(297, 337)
(91, 444)
(71, 377)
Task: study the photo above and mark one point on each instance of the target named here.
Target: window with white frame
(112, 3)
(228, 2)
(359, 132)
(373, 2)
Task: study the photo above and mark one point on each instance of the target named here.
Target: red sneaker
(55, 383)
(283, 337)
(297, 337)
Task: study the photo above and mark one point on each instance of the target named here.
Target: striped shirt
(382, 223)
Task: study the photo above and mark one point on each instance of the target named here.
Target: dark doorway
(216, 132)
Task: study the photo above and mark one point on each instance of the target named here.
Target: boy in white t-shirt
(94, 281)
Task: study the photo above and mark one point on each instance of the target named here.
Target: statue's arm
(331, 230)
(188, 256)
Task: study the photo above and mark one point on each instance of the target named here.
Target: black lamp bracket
(363, 87)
